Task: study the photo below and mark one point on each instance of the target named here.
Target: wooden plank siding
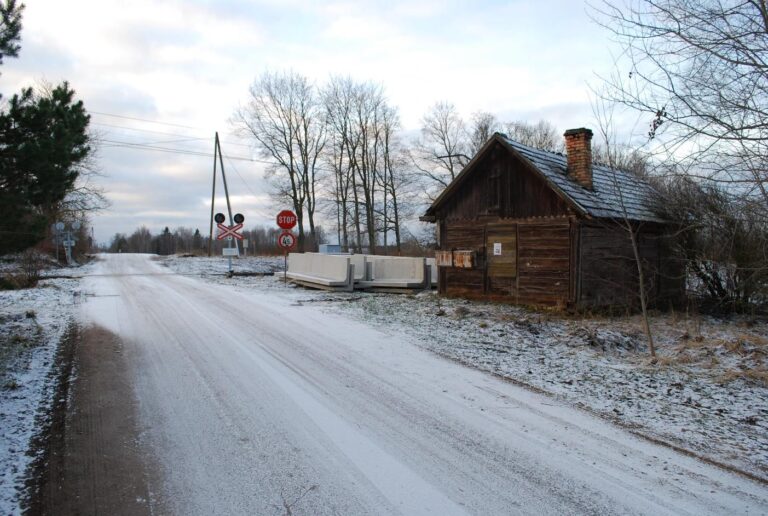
(535, 266)
(503, 189)
(505, 237)
(463, 282)
(508, 203)
(544, 263)
(609, 269)
(501, 272)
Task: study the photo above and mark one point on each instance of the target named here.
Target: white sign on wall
(497, 249)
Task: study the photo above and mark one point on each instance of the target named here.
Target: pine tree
(43, 145)
(10, 28)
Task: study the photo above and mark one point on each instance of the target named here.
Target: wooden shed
(541, 228)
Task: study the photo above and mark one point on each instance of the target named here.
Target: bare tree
(623, 157)
(540, 135)
(484, 124)
(365, 156)
(722, 241)
(698, 71)
(632, 228)
(337, 99)
(442, 151)
(367, 113)
(393, 179)
(284, 118)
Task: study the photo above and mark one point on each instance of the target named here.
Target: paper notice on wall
(497, 249)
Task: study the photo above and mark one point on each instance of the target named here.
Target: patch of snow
(218, 266)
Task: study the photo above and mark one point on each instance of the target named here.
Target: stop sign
(286, 219)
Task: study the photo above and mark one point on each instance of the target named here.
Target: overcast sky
(160, 71)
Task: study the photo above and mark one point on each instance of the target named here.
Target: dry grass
(758, 376)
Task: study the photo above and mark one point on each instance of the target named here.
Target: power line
(188, 152)
(165, 133)
(137, 129)
(164, 142)
(259, 211)
(145, 120)
(153, 145)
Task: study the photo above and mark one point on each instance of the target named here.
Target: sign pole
(229, 258)
(286, 219)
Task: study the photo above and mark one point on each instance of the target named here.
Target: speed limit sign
(286, 240)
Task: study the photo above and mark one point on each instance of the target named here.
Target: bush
(723, 240)
(28, 274)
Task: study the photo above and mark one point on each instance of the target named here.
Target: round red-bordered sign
(286, 219)
(286, 240)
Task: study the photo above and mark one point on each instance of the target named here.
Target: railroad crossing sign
(286, 240)
(229, 231)
(286, 219)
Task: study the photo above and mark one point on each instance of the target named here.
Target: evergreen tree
(43, 144)
(10, 28)
(197, 241)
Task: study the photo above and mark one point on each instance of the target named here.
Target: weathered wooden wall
(608, 275)
(505, 188)
(533, 269)
(463, 282)
(544, 262)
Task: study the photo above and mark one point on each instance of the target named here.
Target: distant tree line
(183, 240)
(261, 240)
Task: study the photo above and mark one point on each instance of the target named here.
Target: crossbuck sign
(229, 231)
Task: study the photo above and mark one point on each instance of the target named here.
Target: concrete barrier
(395, 272)
(432, 264)
(321, 270)
(359, 261)
(362, 271)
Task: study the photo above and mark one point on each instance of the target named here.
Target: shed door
(501, 254)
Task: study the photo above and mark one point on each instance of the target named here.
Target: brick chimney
(578, 147)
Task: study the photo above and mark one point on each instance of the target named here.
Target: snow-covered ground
(708, 392)
(255, 399)
(32, 324)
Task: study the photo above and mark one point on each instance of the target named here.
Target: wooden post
(226, 190)
(213, 193)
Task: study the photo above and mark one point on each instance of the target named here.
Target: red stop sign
(286, 219)
(286, 240)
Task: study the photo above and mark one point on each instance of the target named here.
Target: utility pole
(226, 190)
(217, 154)
(213, 193)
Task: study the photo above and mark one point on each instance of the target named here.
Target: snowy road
(251, 404)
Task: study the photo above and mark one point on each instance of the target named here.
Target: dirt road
(249, 404)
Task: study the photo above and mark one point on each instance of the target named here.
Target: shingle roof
(614, 191)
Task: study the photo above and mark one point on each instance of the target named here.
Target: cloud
(187, 64)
